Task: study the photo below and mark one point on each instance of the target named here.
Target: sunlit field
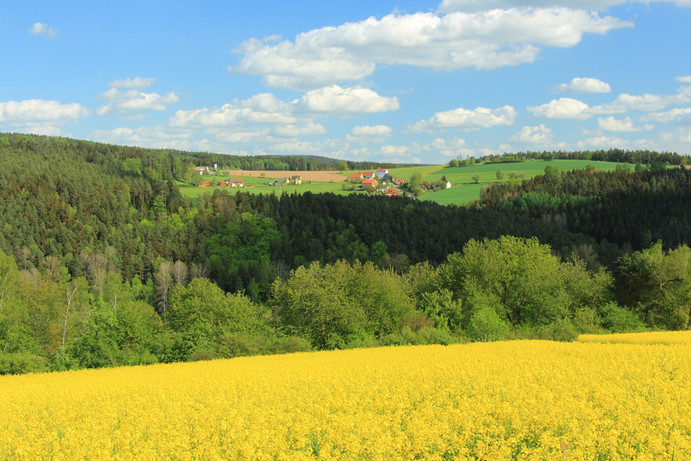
(465, 189)
(654, 337)
(509, 400)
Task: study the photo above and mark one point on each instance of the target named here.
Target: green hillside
(465, 189)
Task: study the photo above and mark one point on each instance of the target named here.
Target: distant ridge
(226, 161)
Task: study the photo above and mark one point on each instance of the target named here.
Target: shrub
(559, 330)
(486, 325)
(15, 363)
(619, 319)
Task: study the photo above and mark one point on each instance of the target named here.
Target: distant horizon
(388, 82)
(336, 160)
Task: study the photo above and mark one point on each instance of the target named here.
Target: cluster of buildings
(205, 169)
(238, 182)
(232, 182)
(287, 180)
(375, 178)
(380, 181)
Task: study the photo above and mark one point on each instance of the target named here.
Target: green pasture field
(464, 188)
(258, 185)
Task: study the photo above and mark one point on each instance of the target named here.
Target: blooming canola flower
(502, 400)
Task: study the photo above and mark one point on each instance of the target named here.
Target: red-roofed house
(223, 183)
(367, 174)
(382, 173)
(391, 192)
(236, 182)
(205, 184)
(355, 177)
(369, 182)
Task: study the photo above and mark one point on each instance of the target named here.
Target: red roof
(354, 175)
(382, 169)
(391, 191)
(369, 181)
(236, 180)
(367, 173)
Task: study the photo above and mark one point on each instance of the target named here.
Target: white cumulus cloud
(624, 125)
(479, 5)
(39, 116)
(260, 108)
(372, 130)
(40, 28)
(562, 108)
(244, 136)
(584, 85)
(356, 100)
(569, 108)
(131, 102)
(678, 115)
(304, 129)
(369, 133)
(449, 147)
(351, 51)
(603, 142)
(39, 110)
(535, 134)
(391, 150)
(136, 82)
(298, 147)
(647, 102)
(469, 119)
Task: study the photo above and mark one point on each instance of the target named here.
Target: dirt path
(323, 176)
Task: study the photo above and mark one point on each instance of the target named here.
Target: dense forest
(642, 157)
(103, 262)
(632, 210)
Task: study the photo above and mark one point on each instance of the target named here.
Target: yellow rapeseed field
(653, 337)
(508, 400)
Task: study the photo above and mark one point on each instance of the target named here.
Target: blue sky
(396, 81)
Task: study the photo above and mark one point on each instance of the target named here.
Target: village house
(383, 173)
(205, 184)
(296, 179)
(223, 183)
(391, 192)
(236, 182)
(355, 177)
(369, 182)
(367, 174)
(201, 169)
(397, 181)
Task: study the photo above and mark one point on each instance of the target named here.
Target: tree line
(643, 157)
(630, 209)
(505, 288)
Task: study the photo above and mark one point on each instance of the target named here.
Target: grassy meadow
(505, 400)
(464, 188)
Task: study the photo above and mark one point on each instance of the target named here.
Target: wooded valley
(103, 262)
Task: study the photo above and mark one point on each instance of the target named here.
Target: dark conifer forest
(103, 262)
